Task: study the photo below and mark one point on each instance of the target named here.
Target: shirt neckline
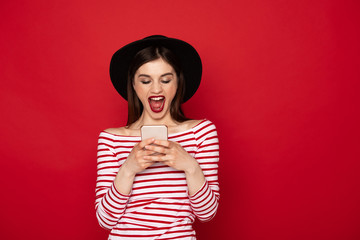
(170, 135)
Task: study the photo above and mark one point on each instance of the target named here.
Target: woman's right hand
(135, 162)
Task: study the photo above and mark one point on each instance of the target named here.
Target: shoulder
(111, 135)
(204, 124)
(205, 129)
(195, 123)
(188, 124)
(122, 131)
(116, 131)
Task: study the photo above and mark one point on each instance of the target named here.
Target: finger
(148, 152)
(146, 164)
(149, 162)
(158, 149)
(146, 142)
(166, 162)
(163, 143)
(157, 158)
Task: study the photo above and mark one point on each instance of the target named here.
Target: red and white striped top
(158, 206)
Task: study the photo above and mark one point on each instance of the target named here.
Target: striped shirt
(159, 206)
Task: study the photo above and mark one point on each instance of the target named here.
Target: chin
(159, 115)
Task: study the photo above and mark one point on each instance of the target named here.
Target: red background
(281, 82)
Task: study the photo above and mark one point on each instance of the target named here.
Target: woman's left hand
(172, 154)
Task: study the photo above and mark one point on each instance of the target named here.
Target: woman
(154, 189)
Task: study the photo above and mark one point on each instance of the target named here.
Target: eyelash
(163, 81)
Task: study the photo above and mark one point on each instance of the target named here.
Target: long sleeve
(205, 201)
(110, 204)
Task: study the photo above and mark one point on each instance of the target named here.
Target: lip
(162, 105)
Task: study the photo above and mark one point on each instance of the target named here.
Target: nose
(156, 87)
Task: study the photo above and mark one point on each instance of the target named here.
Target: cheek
(171, 92)
(139, 91)
(173, 89)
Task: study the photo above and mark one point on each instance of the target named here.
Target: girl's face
(155, 84)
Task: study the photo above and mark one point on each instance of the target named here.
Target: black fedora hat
(187, 55)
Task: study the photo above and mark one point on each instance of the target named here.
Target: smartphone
(159, 132)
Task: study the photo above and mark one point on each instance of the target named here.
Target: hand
(136, 161)
(173, 155)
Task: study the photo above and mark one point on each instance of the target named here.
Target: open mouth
(156, 103)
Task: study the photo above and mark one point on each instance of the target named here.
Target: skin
(153, 79)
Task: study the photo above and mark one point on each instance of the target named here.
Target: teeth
(156, 98)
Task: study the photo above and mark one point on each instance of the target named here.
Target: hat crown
(156, 37)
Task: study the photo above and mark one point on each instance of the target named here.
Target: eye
(145, 81)
(166, 81)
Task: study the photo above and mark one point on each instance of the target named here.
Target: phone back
(159, 132)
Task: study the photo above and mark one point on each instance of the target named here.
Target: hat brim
(187, 55)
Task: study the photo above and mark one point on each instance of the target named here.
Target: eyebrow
(163, 75)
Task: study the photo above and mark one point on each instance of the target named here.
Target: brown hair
(135, 107)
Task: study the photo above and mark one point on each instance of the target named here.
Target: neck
(147, 120)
